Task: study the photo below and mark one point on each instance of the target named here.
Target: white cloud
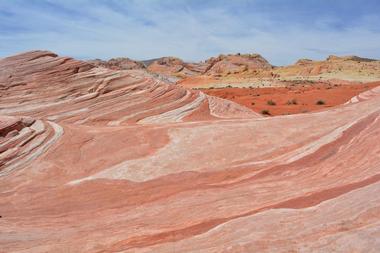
(148, 29)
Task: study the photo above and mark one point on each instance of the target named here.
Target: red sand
(305, 97)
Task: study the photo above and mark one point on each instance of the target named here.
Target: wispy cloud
(282, 31)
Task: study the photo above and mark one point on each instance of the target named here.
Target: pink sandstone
(119, 161)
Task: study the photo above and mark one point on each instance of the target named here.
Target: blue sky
(280, 30)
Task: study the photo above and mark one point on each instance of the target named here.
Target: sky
(282, 31)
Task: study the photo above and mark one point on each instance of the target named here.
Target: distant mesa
(235, 64)
(303, 62)
(120, 63)
(176, 67)
(349, 58)
(241, 70)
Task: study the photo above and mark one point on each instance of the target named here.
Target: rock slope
(61, 89)
(175, 67)
(100, 160)
(236, 64)
(234, 71)
(350, 68)
(121, 63)
(244, 70)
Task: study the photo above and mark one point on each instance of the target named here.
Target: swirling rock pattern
(99, 160)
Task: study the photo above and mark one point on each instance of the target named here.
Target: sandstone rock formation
(236, 64)
(171, 66)
(40, 84)
(244, 70)
(100, 160)
(121, 63)
(220, 66)
(351, 68)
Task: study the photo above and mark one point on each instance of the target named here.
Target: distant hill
(250, 69)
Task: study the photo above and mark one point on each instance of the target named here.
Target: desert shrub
(271, 102)
(292, 102)
(320, 102)
(229, 86)
(265, 112)
(211, 88)
(253, 103)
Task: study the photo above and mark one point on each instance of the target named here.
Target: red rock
(236, 64)
(254, 71)
(292, 99)
(118, 63)
(175, 67)
(119, 161)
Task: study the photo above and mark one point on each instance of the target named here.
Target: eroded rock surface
(349, 68)
(121, 63)
(107, 160)
(255, 71)
(236, 64)
(175, 67)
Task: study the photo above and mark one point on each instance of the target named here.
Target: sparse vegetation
(320, 102)
(211, 88)
(271, 102)
(253, 103)
(265, 112)
(229, 86)
(292, 102)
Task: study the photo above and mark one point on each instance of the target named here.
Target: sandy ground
(291, 99)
